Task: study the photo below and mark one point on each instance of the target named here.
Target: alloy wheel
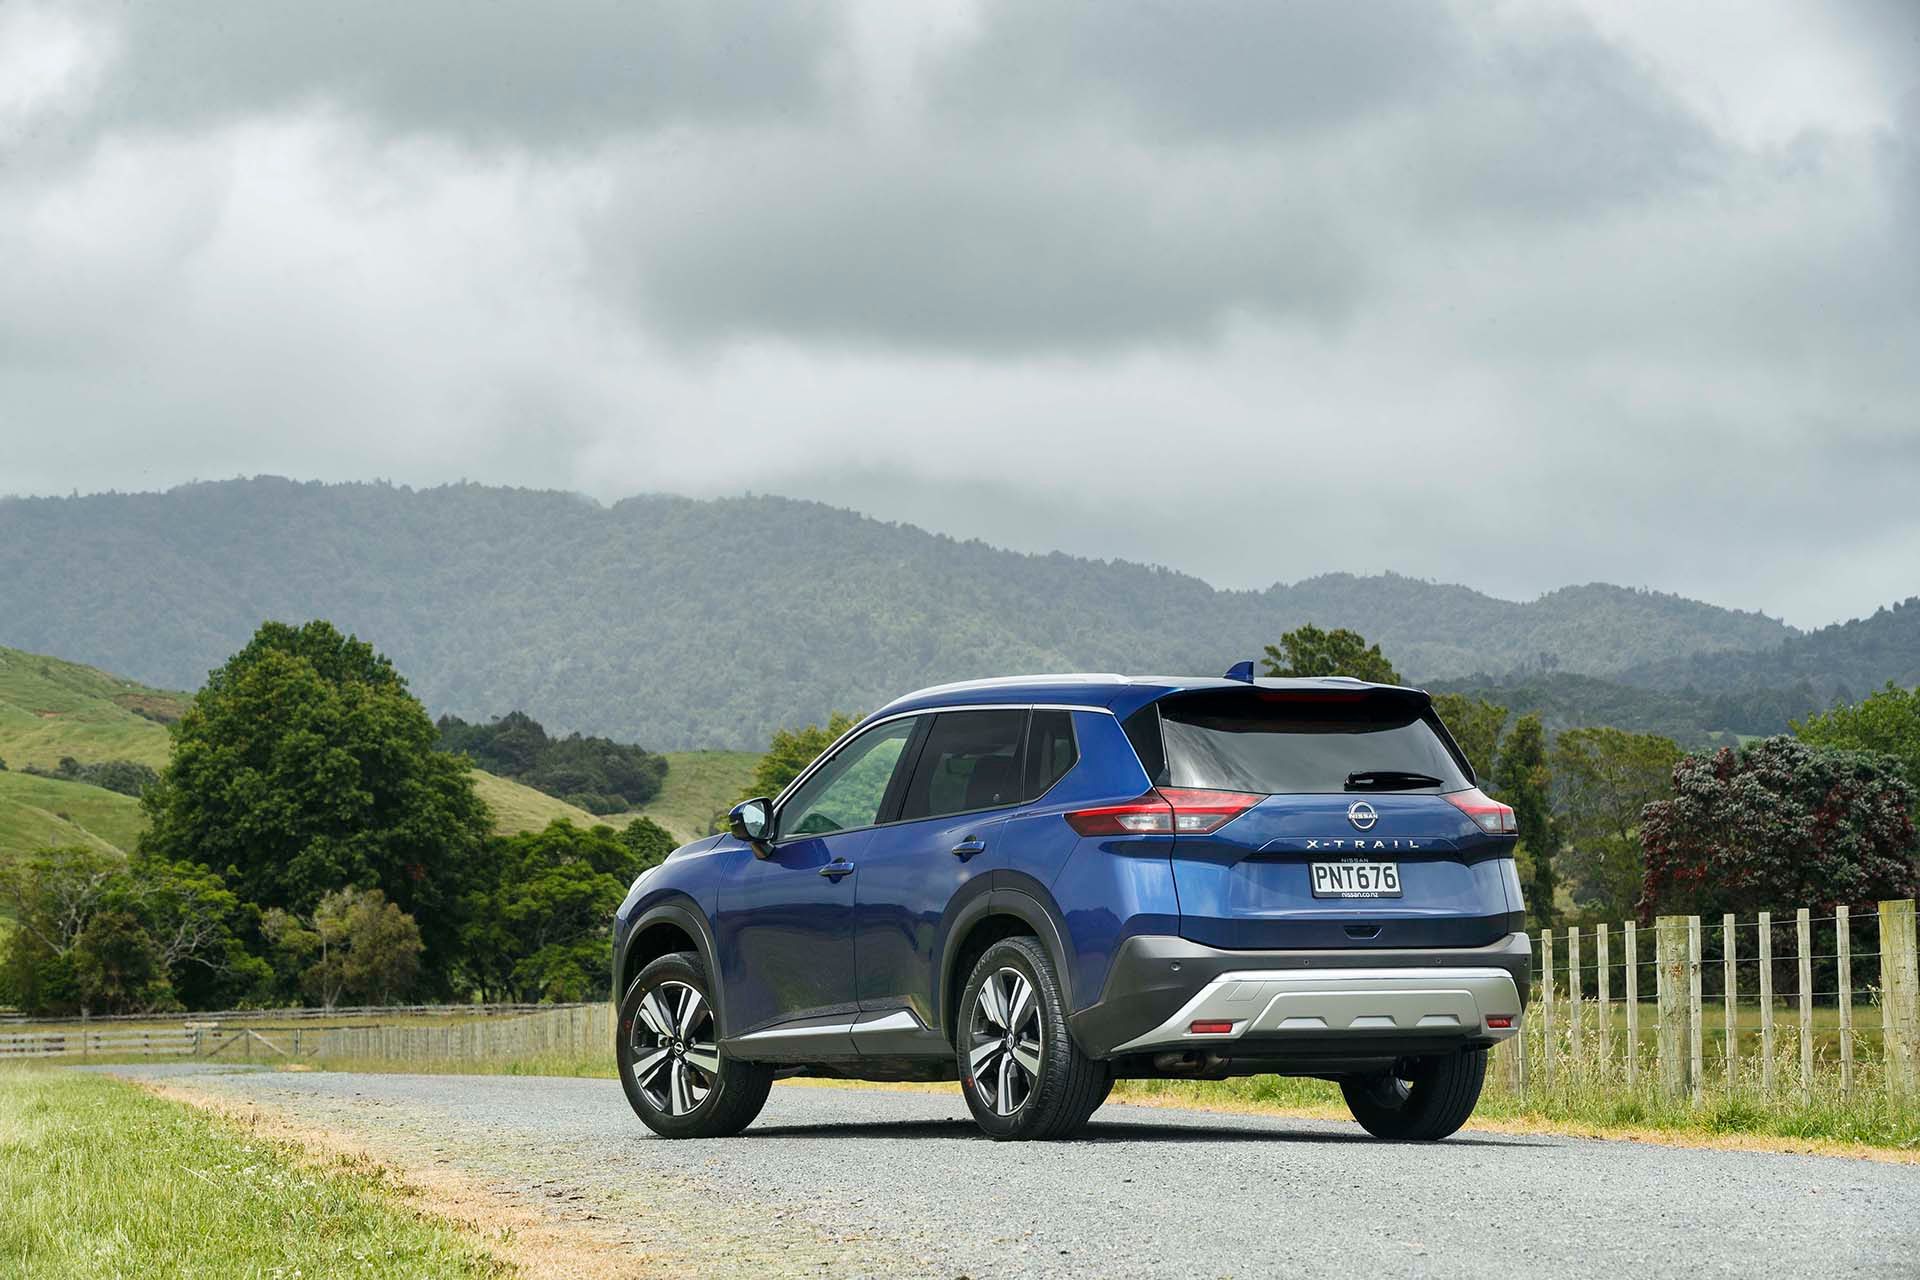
(676, 1056)
(1005, 1045)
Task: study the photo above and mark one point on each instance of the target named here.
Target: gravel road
(871, 1182)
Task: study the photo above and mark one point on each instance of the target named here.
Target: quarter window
(848, 790)
(971, 761)
(1050, 750)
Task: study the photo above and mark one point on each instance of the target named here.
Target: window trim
(892, 803)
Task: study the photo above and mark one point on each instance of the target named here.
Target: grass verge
(100, 1179)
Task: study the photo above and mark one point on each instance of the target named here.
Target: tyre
(1021, 1072)
(668, 1048)
(1421, 1099)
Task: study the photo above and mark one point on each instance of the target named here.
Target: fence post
(1695, 1030)
(1670, 956)
(1730, 994)
(1574, 1062)
(1843, 952)
(1803, 925)
(1602, 990)
(1546, 1007)
(1766, 1005)
(1899, 992)
(1633, 1003)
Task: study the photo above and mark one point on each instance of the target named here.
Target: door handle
(837, 868)
(968, 847)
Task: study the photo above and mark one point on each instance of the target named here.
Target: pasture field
(50, 708)
(699, 784)
(39, 812)
(102, 1179)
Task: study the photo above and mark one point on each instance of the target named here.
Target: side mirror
(751, 821)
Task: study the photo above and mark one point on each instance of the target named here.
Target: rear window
(1274, 744)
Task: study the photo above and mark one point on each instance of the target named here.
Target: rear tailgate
(1352, 781)
(1251, 884)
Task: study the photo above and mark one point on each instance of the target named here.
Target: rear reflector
(1165, 811)
(1499, 1021)
(1211, 1029)
(1493, 817)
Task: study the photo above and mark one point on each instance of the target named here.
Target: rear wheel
(1421, 1099)
(1021, 1072)
(669, 1055)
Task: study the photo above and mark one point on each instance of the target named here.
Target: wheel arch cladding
(662, 930)
(1001, 914)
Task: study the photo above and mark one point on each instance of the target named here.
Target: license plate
(1356, 879)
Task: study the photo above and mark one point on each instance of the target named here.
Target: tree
(1309, 651)
(117, 965)
(51, 894)
(1887, 721)
(1602, 779)
(190, 922)
(648, 842)
(355, 943)
(1775, 825)
(541, 926)
(1475, 724)
(792, 750)
(1521, 779)
(305, 765)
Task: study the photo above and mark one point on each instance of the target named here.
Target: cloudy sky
(1510, 294)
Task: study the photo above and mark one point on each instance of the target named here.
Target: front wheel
(670, 1061)
(1022, 1074)
(1421, 1099)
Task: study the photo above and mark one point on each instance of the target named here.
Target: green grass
(37, 812)
(100, 1179)
(699, 784)
(50, 708)
(517, 808)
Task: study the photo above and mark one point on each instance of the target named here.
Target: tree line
(310, 839)
(595, 774)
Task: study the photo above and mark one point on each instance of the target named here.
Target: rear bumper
(1310, 1002)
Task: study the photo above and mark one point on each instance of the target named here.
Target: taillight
(1164, 811)
(1195, 813)
(1492, 817)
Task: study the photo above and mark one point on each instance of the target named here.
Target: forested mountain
(1845, 661)
(673, 622)
(1567, 700)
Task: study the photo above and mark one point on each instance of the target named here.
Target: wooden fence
(1772, 1009)
(549, 1030)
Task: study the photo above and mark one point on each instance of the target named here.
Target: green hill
(37, 812)
(699, 785)
(676, 623)
(50, 708)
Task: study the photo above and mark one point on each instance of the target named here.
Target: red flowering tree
(1775, 825)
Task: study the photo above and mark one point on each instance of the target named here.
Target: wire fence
(1773, 1010)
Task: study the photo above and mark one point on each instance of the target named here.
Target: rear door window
(971, 761)
(1273, 743)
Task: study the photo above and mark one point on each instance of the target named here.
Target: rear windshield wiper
(1390, 780)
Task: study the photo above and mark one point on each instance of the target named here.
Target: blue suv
(1039, 885)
